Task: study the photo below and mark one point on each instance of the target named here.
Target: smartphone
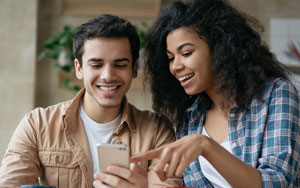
(117, 154)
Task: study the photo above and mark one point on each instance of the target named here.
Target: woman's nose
(176, 65)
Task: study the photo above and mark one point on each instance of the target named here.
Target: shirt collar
(201, 104)
(127, 114)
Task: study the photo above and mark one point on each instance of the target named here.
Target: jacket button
(58, 159)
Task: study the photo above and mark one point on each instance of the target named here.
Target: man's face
(106, 71)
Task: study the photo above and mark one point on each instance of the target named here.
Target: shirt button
(58, 159)
(234, 144)
(232, 115)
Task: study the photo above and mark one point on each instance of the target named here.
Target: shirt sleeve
(20, 164)
(279, 164)
(164, 135)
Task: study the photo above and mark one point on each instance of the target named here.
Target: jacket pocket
(60, 169)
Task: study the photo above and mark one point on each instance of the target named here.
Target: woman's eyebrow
(181, 46)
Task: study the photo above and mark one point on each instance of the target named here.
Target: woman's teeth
(185, 77)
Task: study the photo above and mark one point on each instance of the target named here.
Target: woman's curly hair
(242, 63)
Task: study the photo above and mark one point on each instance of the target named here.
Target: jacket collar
(127, 116)
(73, 107)
(77, 139)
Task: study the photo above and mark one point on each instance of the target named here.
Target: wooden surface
(130, 8)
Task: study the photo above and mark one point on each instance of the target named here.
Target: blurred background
(29, 78)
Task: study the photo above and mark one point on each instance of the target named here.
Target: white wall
(18, 20)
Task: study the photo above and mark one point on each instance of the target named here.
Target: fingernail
(109, 168)
(131, 165)
(95, 183)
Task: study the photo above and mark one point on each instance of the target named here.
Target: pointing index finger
(146, 156)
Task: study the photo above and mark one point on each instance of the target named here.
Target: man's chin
(109, 104)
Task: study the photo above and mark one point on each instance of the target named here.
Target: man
(57, 145)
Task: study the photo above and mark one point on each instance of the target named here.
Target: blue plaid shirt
(266, 135)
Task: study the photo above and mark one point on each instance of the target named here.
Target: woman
(236, 111)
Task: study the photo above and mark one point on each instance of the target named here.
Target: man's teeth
(108, 88)
(185, 77)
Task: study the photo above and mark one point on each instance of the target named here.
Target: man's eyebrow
(181, 46)
(94, 59)
(121, 60)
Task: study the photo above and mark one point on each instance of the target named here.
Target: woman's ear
(78, 69)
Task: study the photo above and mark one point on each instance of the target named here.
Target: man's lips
(108, 90)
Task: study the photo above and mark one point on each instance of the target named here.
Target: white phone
(117, 154)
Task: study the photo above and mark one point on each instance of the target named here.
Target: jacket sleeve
(279, 166)
(164, 135)
(20, 164)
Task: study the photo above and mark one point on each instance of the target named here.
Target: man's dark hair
(106, 25)
(242, 63)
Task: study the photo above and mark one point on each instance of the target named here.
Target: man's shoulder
(153, 130)
(49, 111)
(142, 114)
(147, 119)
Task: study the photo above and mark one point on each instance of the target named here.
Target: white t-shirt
(215, 178)
(98, 133)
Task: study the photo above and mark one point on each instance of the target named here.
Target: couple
(236, 112)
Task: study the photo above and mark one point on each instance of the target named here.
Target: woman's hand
(115, 176)
(175, 157)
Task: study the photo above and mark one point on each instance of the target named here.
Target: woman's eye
(171, 59)
(186, 54)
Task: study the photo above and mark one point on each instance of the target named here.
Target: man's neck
(98, 113)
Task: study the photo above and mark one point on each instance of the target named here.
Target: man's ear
(78, 69)
(134, 70)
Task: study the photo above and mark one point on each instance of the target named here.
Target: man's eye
(96, 65)
(120, 65)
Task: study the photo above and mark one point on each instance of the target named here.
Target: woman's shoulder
(282, 85)
(280, 91)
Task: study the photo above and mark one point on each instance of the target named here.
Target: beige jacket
(51, 144)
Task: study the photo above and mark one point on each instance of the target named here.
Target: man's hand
(116, 176)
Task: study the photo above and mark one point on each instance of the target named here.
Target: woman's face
(190, 61)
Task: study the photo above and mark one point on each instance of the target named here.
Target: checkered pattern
(266, 135)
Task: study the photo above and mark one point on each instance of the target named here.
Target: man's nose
(107, 73)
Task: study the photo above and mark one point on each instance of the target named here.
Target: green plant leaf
(43, 54)
(67, 83)
(52, 42)
(142, 32)
(66, 68)
(56, 65)
(76, 88)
